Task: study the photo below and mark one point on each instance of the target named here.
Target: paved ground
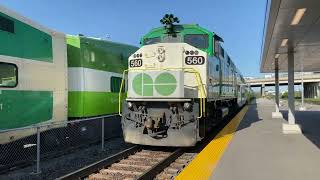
(309, 120)
(259, 150)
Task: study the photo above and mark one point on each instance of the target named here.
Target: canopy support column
(291, 127)
(277, 113)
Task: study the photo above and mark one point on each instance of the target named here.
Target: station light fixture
(284, 42)
(298, 16)
(277, 56)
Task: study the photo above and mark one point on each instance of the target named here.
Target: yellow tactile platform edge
(205, 162)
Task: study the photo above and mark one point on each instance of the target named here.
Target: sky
(239, 23)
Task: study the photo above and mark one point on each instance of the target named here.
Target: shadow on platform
(250, 117)
(310, 124)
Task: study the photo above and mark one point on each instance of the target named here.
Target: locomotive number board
(194, 60)
(135, 63)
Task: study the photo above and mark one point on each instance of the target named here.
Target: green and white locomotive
(181, 83)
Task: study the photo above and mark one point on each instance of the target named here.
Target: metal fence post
(102, 134)
(38, 151)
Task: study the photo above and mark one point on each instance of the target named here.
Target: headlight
(187, 106)
(130, 105)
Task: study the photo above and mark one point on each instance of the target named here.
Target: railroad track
(136, 163)
(139, 162)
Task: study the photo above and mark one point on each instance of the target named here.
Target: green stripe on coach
(15, 108)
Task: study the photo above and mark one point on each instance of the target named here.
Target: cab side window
(6, 24)
(115, 84)
(8, 75)
(216, 47)
(222, 51)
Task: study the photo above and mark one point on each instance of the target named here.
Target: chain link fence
(29, 145)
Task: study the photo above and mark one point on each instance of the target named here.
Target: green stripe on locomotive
(97, 57)
(24, 41)
(108, 56)
(19, 102)
(88, 104)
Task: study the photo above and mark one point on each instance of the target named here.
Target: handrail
(120, 91)
(188, 70)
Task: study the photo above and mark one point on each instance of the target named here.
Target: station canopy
(297, 21)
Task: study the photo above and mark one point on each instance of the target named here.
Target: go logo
(164, 84)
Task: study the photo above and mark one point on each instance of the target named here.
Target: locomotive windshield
(154, 40)
(171, 39)
(197, 40)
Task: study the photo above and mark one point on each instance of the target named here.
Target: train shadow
(310, 124)
(250, 117)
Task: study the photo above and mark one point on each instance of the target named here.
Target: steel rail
(153, 171)
(149, 174)
(92, 168)
(157, 168)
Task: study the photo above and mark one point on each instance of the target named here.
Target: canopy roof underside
(304, 36)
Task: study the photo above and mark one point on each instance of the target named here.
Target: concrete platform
(259, 149)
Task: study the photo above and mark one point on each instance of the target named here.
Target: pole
(291, 127)
(102, 134)
(277, 113)
(291, 106)
(276, 76)
(302, 84)
(302, 108)
(38, 151)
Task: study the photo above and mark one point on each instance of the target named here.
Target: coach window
(115, 84)
(222, 51)
(216, 47)
(8, 75)
(154, 40)
(197, 40)
(6, 24)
